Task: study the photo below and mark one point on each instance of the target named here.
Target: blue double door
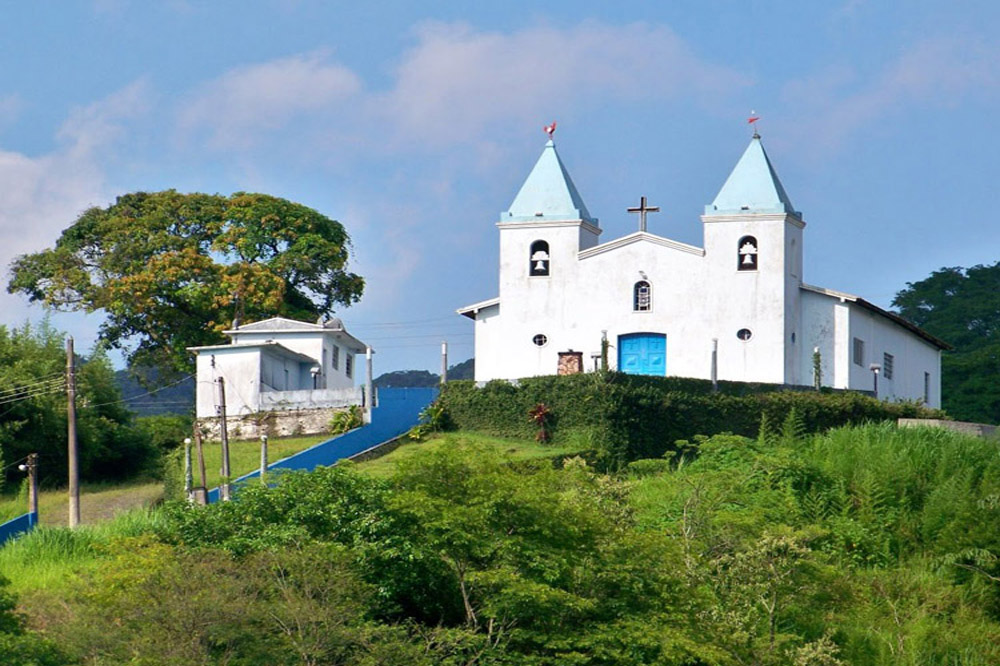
(643, 354)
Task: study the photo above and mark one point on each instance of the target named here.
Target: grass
(50, 558)
(515, 449)
(100, 502)
(47, 560)
(244, 455)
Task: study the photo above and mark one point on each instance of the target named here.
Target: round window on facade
(744, 334)
(540, 340)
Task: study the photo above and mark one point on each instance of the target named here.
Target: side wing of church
(665, 306)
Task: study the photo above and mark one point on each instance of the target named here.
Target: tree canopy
(171, 270)
(33, 410)
(962, 307)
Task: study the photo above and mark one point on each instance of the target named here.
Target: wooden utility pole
(31, 467)
(74, 468)
(201, 494)
(224, 433)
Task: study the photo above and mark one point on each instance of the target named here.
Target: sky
(415, 123)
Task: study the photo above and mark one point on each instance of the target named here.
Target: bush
(632, 416)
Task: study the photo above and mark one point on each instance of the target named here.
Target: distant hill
(463, 370)
(411, 378)
(175, 399)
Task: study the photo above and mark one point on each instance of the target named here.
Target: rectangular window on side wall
(349, 365)
(859, 352)
(336, 357)
(927, 388)
(887, 361)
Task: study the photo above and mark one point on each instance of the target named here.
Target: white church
(736, 308)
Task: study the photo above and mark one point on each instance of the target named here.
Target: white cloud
(457, 81)
(836, 104)
(42, 195)
(244, 101)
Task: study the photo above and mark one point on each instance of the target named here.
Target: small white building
(664, 306)
(280, 364)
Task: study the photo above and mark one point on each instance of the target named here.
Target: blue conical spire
(752, 187)
(548, 193)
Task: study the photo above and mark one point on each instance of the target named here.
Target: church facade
(735, 309)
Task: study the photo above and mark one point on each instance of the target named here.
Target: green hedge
(628, 417)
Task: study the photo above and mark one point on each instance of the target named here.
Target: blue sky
(414, 124)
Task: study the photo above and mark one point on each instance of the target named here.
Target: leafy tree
(171, 270)
(33, 416)
(962, 307)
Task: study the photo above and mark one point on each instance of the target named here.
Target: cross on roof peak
(642, 209)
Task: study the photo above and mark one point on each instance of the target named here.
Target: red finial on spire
(550, 129)
(751, 120)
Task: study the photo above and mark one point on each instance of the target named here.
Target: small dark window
(642, 297)
(539, 259)
(887, 361)
(335, 359)
(927, 388)
(859, 352)
(349, 365)
(540, 340)
(744, 334)
(746, 254)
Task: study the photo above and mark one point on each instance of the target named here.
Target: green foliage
(166, 431)
(171, 270)
(347, 419)
(630, 417)
(17, 646)
(433, 418)
(962, 307)
(32, 366)
(861, 545)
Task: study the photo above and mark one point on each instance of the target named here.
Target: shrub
(632, 416)
(349, 419)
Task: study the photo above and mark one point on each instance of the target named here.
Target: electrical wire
(16, 462)
(143, 395)
(34, 394)
(24, 387)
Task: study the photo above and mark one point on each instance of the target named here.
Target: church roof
(548, 193)
(752, 187)
(871, 307)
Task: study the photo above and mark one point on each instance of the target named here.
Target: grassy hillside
(863, 545)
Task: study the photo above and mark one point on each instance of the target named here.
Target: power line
(34, 394)
(7, 392)
(143, 395)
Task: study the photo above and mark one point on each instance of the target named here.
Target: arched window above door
(642, 296)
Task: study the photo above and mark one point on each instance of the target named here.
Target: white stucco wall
(318, 345)
(240, 370)
(697, 295)
(913, 357)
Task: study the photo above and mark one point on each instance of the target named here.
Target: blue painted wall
(398, 410)
(17, 526)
